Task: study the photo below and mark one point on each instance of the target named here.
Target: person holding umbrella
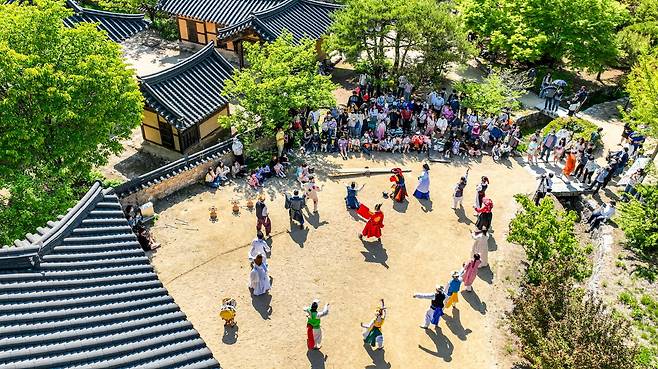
(549, 93)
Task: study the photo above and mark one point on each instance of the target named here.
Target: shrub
(166, 27)
(580, 127)
(561, 327)
(639, 220)
(547, 234)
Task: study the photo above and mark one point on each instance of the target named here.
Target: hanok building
(118, 26)
(81, 293)
(185, 101)
(229, 23)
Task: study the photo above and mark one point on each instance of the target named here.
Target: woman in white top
(481, 246)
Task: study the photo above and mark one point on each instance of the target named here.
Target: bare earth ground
(422, 244)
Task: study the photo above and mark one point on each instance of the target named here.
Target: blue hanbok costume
(423, 189)
(351, 201)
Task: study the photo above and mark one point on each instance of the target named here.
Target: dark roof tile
(118, 26)
(190, 91)
(303, 18)
(92, 300)
(223, 12)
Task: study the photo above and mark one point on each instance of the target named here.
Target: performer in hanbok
(313, 330)
(453, 290)
(435, 310)
(481, 191)
(259, 247)
(458, 195)
(295, 204)
(399, 188)
(263, 216)
(312, 190)
(484, 214)
(259, 280)
(375, 222)
(423, 189)
(481, 246)
(350, 200)
(470, 271)
(373, 331)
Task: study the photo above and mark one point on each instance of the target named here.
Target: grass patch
(644, 312)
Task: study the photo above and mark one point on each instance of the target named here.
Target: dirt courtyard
(202, 262)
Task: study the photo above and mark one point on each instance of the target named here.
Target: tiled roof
(82, 293)
(303, 18)
(118, 26)
(223, 12)
(190, 91)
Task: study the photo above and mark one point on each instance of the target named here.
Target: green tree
(490, 95)
(398, 36)
(639, 220)
(580, 32)
(640, 36)
(281, 77)
(642, 87)
(559, 326)
(547, 234)
(67, 98)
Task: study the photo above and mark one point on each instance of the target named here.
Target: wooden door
(191, 31)
(166, 135)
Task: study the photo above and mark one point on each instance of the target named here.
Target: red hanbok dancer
(399, 188)
(375, 222)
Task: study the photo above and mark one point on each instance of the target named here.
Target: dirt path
(420, 247)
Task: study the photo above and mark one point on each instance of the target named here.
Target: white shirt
(237, 147)
(608, 211)
(258, 246)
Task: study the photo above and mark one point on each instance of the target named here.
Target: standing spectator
(581, 97)
(549, 94)
(557, 98)
(402, 82)
(280, 140)
(533, 148)
(590, 167)
(408, 89)
(237, 148)
(548, 143)
(545, 82)
(583, 158)
(601, 175)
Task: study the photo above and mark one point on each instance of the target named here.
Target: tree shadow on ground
(230, 335)
(455, 325)
(377, 357)
(262, 305)
(376, 253)
(474, 300)
(444, 347)
(486, 274)
(317, 359)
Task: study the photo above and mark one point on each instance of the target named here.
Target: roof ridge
(285, 4)
(180, 66)
(79, 9)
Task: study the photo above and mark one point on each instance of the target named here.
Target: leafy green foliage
(421, 36)
(547, 235)
(640, 37)
(281, 77)
(561, 327)
(67, 99)
(489, 96)
(645, 319)
(642, 87)
(166, 27)
(639, 220)
(581, 128)
(581, 32)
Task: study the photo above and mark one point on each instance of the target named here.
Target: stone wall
(173, 183)
(535, 119)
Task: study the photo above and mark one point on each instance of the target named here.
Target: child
(426, 143)
(406, 144)
(397, 145)
(456, 145)
(253, 180)
(324, 141)
(356, 144)
(278, 169)
(495, 152)
(342, 145)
